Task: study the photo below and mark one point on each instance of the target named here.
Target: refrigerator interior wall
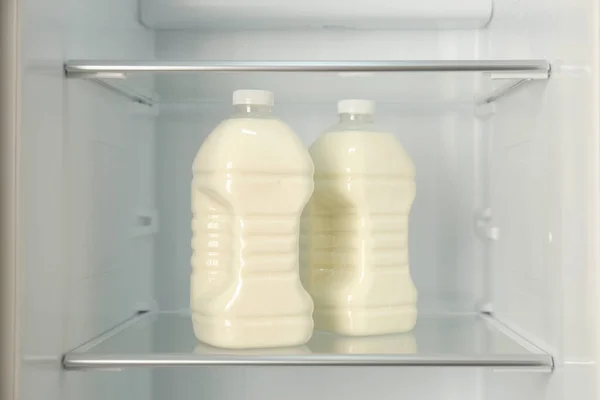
(86, 165)
(544, 194)
(334, 14)
(320, 383)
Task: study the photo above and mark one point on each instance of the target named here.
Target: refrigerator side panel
(109, 174)
(85, 169)
(42, 267)
(544, 192)
(9, 121)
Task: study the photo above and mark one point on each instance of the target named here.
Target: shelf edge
(79, 359)
(74, 361)
(83, 68)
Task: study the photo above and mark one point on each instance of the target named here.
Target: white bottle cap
(260, 97)
(356, 107)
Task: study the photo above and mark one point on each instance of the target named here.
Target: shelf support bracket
(115, 82)
(515, 81)
(502, 91)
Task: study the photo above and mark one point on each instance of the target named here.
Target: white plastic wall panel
(544, 169)
(316, 383)
(332, 14)
(42, 189)
(86, 164)
(544, 191)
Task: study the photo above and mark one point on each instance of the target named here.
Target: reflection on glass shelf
(404, 343)
(164, 339)
(203, 349)
(325, 343)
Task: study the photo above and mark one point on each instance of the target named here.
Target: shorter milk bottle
(252, 178)
(355, 228)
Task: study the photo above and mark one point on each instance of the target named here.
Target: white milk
(355, 228)
(252, 178)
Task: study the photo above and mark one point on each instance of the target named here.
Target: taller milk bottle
(252, 178)
(355, 228)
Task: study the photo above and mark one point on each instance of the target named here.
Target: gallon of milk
(355, 228)
(252, 178)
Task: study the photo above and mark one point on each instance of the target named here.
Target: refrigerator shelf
(166, 339)
(310, 81)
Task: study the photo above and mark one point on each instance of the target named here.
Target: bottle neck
(357, 118)
(251, 110)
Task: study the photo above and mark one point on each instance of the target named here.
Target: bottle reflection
(328, 343)
(205, 349)
(400, 343)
